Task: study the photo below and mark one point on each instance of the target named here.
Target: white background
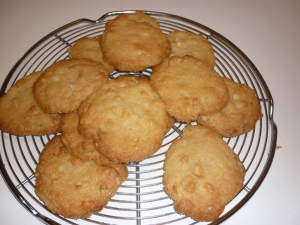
(266, 31)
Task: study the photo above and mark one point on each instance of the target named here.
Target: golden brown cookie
(189, 88)
(187, 43)
(209, 175)
(66, 83)
(89, 48)
(76, 144)
(240, 114)
(126, 117)
(72, 187)
(21, 115)
(134, 42)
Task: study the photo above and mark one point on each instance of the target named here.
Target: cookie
(134, 42)
(126, 118)
(66, 83)
(187, 43)
(240, 114)
(76, 144)
(89, 48)
(189, 88)
(21, 115)
(72, 187)
(209, 175)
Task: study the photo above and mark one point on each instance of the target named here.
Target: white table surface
(266, 31)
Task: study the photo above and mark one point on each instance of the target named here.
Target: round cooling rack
(141, 198)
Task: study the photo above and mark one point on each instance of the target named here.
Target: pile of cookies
(100, 124)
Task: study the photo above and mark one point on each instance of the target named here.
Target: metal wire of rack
(140, 199)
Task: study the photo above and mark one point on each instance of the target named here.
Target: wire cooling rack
(140, 199)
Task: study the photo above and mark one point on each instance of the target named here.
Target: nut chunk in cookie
(240, 114)
(209, 175)
(72, 187)
(126, 118)
(189, 87)
(134, 42)
(21, 115)
(66, 83)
